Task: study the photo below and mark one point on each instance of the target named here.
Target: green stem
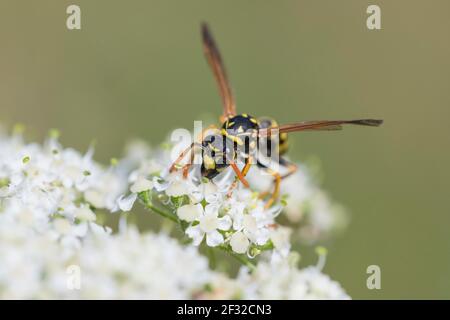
(163, 213)
(148, 204)
(268, 246)
(239, 258)
(212, 258)
(244, 261)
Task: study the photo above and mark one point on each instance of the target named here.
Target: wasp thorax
(243, 131)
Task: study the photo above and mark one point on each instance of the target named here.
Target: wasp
(239, 138)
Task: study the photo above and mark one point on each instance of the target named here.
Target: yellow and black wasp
(239, 138)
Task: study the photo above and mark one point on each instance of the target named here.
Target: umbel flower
(238, 222)
(52, 189)
(289, 283)
(50, 201)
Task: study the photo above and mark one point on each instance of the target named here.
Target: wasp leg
(187, 166)
(276, 189)
(232, 187)
(248, 163)
(173, 167)
(263, 195)
(240, 175)
(292, 167)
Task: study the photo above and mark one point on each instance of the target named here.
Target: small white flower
(141, 184)
(209, 224)
(173, 184)
(126, 203)
(62, 226)
(85, 214)
(205, 191)
(95, 198)
(177, 188)
(239, 242)
(253, 228)
(190, 212)
(280, 237)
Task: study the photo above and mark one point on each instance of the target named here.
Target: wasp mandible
(240, 135)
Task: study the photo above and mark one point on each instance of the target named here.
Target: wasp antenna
(204, 25)
(206, 34)
(367, 122)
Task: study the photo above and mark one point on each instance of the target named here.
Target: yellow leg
(187, 166)
(248, 163)
(173, 167)
(276, 189)
(264, 194)
(292, 168)
(240, 176)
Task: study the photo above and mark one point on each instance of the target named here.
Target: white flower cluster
(49, 197)
(52, 189)
(238, 220)
(130, 265)
(208, 211)
(127, 265)
(281, 281)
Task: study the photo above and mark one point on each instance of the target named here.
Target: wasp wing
(215, 62)
(325, 125)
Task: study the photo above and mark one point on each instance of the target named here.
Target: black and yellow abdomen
(283, 145)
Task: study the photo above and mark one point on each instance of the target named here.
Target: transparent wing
(326, 125)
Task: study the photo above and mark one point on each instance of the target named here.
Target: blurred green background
(136, 69)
